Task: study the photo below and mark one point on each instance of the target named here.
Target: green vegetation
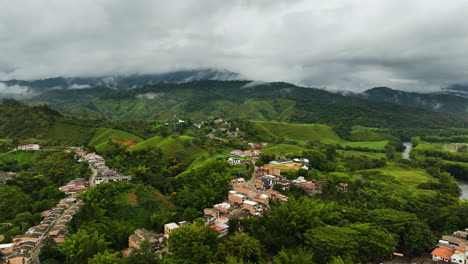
(410, 178)
(20, 160)
(34, 190)
(183, 148)
(283, 150)
(369, 134)
(389, 205)
(68, 133)
(272, 101)
(377, 145)
(297, 132)
(352, 153)
(104, 137)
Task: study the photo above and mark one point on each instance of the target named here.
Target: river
(463, 184)
(406, 152)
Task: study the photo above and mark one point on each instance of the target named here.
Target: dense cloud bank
(338, 44)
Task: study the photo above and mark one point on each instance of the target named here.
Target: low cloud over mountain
(338, 44)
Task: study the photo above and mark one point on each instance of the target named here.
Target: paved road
(93, 176)
(250, 183)
(7, 152)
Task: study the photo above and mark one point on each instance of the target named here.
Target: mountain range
(198, 94)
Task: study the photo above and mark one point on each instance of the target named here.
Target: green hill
(102, 137)
(405, 179)
(283, 150)
(181, 147)
(68, 133)
(269, 101)
(21, 121)
(297, 132)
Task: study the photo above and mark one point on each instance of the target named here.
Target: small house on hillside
(29, 147)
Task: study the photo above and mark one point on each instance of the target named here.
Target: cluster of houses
(28, 147)
(243, 202)
(280, 161)
(235, 161)
(54, 225)
(98, 163)
(74, 187)
(452, 249)
(158, 241)
(272, 176)
(247, 153)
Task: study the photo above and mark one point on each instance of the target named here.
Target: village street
(63, 218)
(250, 183)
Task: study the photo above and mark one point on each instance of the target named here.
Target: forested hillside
(268, 101)
(441, 102)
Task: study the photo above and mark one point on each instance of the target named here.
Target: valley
(336, 170)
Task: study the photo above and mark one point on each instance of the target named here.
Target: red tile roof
(217, 228)
(443, 252)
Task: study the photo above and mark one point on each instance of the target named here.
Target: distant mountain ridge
(278, 101)
(440, 101)
(199, 94)
(61, 88)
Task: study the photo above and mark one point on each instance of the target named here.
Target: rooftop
(443, 252)
(6, 245)
(171, 225)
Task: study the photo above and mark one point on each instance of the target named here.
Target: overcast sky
(337, 44)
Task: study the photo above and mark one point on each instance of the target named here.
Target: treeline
(455, 139)
(439, 153)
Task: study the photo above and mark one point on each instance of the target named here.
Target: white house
(169, 227)
(237, 152)
(459, 257)
(29, 147)
(234, 161)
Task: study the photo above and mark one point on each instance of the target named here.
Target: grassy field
(180, 147)
(101, 137)
(366, 135)
(69, 134)
(349, 153)
(408, 178)
(374, 129)
(298, 132)
(367, 144)
(22, 157)
(283, 149)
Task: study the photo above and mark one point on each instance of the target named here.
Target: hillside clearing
(180, 147)
(283, 150)
(102, 136)
(378, 145)
(298, 132)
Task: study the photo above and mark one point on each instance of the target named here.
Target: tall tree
(195, 243)
(82, 245)
(244, 247)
